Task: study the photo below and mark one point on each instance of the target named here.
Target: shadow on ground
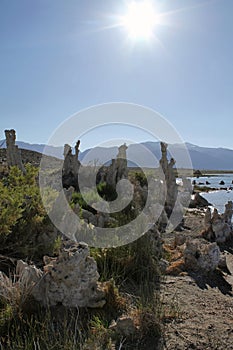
(227, 246)
(216, 279)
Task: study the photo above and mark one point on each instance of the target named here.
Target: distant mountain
(201, 157)
(211, 158)
(50, 150)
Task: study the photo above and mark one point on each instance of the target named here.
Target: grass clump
(129, 274)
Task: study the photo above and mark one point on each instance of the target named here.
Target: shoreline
(202, 304)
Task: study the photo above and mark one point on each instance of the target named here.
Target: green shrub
(141, 177)
(22, 214)
(106, 191)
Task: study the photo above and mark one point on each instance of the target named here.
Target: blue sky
(57, 57)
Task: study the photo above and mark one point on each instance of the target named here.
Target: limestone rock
(222, 262)
(28, 275)
(179, 240)
(71, 166)
(163, 264)
(71, 279)
(198, 201)
(228, 212)
(201, 255)
(207, 219)
(218, 227)
(170, 178)
(13, 154)
(118, 169)
(163, 221)
(124, 325)
(89, 217)
(154, 240)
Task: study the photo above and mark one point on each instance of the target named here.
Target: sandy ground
(201, 308)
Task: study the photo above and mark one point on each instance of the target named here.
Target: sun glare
(140, 20)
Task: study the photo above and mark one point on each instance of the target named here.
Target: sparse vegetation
(23, 218)
(130, 273)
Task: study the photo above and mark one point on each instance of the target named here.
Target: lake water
(218, 198)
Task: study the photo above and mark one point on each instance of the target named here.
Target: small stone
(124, 325)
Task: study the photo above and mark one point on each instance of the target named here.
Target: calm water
(214, 180)
(219, 198)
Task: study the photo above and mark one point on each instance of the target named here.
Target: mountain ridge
(210, 158)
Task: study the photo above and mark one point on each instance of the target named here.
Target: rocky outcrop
(99, 219)
(201, 256)
(218, 227)
(71, 166)
(118, 169)
(70, 280)
(124, 326)
(198, 201)
(13, 154)
(196, 255)
(28, 275)
(170, 178)
(111, 174)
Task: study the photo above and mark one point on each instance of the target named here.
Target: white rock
(71, 279)
(201, 255)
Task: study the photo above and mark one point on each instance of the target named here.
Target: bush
(132, 269)
(22, 215)
(141, 177)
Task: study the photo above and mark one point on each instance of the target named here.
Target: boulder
(201, 255)
(198, 201)
(218, 227)
(124, 326)
(28, 275)
(222, 262)
(179, 240)
(71, 279)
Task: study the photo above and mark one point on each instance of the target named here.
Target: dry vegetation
(131, 275)
(144, 308)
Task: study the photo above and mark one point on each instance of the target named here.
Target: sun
(140, 20)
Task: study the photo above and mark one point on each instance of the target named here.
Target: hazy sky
(60, 56)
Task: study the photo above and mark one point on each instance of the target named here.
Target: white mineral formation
(218, 227)
(118, 169)
(71, 279)
(201, 255)
(170, 178)
(13, 154)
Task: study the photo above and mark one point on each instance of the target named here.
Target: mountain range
(201, 157)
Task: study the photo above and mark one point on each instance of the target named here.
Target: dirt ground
(201, 307)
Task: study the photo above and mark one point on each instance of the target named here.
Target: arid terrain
(195, 307)
(202, 306)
